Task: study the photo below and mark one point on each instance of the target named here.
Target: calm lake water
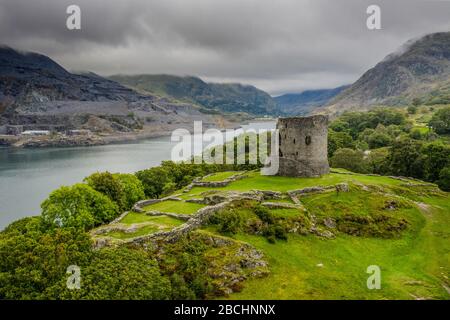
(27, 176)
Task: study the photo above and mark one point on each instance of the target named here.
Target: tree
(109, 185)
(349, 159)
(132, 189)
(339, 126)
(34, 264)
(379, 139)
(77, 206)
(356, 122)
(405, 158)
(377, 161)
(440, 122)
(32, 261)
(117, 273)
(416, 134)
(154, 180)
(337, 140)
(444, 179)
(437, 157)
(416, 102)
(412, 109)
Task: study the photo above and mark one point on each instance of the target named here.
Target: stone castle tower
(303, 146)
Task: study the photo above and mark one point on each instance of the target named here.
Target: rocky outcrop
(342, 187)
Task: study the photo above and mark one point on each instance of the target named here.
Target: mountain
(421, 70)
(38, 93)
(304, 102)
(228, 97)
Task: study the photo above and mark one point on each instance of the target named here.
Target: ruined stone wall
(303, 148)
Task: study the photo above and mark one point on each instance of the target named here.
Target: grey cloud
(279, 46)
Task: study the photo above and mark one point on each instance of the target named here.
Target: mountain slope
(231, 97)
(421, 70)
(304, 102)
(40, 94)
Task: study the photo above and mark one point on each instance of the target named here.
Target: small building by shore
(35, 133)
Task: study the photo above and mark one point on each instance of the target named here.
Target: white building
(35, 133)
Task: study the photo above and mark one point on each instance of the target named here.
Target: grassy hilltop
(399, 225)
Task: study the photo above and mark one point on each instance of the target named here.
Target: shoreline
(63, 141)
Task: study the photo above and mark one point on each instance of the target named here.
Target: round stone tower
(303, 146)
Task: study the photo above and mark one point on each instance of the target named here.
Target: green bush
(264, 214)
(32, 262)
(228, 221)
(444, 179)
(77, 206)
(349, 159)
(379, 225)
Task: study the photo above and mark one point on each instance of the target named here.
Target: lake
(27, 176)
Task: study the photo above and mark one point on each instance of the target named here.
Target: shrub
(377, 225)
(228, 221)
(444, 179)
(415, 134)
(264, 214)
(349, 159)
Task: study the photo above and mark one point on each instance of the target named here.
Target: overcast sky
(277, 45)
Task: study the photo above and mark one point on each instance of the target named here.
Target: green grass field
(157, 223)
(414, 262)
(278, 183)
(149, 229)
(220, 176)
(413, 266)
(174, 207)
(134, 217)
